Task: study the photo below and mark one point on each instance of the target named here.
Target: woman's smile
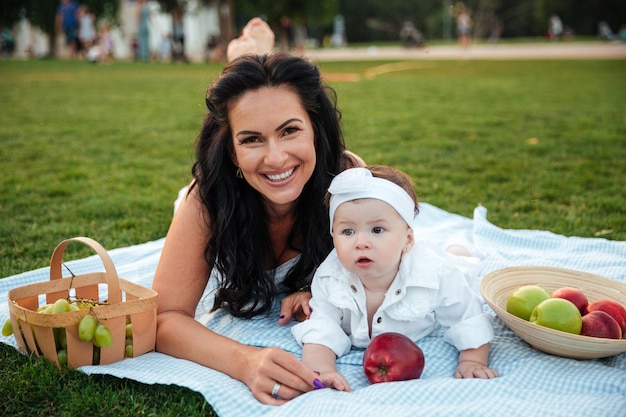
(281, 176)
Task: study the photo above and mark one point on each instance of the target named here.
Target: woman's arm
(180, 280)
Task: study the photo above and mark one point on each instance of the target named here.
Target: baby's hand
(334, 380)
(471, 369)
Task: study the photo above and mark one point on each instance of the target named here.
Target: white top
(428, 290)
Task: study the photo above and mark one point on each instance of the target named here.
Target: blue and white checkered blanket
(531, 382)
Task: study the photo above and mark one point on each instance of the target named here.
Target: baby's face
(370, 238)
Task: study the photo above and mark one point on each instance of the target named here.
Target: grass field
(101, 150)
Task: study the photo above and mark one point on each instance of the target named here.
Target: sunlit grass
(102, 151)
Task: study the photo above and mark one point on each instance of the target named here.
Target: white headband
(356, 183)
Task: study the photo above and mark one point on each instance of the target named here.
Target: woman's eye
(377, 230)
(249, 140)
(290, 130)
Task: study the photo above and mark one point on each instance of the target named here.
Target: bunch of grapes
(89, 328)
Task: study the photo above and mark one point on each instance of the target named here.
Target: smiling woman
(274, 147)
(253, 222)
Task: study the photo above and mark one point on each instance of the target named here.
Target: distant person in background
(286, 35)
(86, 29)
(143, 31)
(410, 36)
(555, 27)
(464, 25)
(67, 23)
(105, 42)
(604, 32)
(178, 36)
(7, 42)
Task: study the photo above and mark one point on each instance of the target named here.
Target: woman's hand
(277, 376)
(296, 304)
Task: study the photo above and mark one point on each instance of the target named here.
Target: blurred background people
(66, 22)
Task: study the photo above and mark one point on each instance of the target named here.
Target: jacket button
(398, 291)
(379, 320)
(353, 288)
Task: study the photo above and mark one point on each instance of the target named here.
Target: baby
(380, 279)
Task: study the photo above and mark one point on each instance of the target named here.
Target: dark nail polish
(318, 384)
(282, 316)
(310, 310)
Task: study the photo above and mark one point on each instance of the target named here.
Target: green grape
(103, 337)
(74, 307)
(62, 357)
(129, 350)
(129, 330)
(43, 308)
(7, 329)
(87, 328)
(61, 306)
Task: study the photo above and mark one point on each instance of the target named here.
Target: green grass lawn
(101, 151)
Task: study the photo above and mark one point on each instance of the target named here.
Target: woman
(268, 149)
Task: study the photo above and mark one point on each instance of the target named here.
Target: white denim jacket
(428, 290)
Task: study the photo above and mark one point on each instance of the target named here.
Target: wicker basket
(498, 285)
(34, 332)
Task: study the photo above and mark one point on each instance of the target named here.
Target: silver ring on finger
(275, 390)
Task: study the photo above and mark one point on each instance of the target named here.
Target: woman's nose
(275, 154)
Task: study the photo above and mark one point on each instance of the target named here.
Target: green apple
(523, 301)
(559, 314)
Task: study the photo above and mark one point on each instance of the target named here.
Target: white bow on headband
(356, 183)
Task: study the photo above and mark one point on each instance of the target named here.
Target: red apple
(613, 308)
(574, 295)
(392, 357)
(600, 324)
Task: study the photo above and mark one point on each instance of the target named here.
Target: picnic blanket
(531, 382)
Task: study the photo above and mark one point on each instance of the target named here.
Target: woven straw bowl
(498, 285)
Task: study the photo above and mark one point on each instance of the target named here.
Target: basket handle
(112, 279)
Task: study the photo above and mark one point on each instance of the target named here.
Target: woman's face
(274, 143)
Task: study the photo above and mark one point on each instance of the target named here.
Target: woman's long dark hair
(239, 246)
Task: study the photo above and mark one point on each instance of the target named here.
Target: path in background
(574, 50)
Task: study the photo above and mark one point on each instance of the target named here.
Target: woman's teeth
(280, 177)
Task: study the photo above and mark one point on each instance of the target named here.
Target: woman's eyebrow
(247, 132)
(286, 123)
(281, 126)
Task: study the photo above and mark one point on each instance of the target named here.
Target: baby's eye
(347, 232)
(377, 230)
